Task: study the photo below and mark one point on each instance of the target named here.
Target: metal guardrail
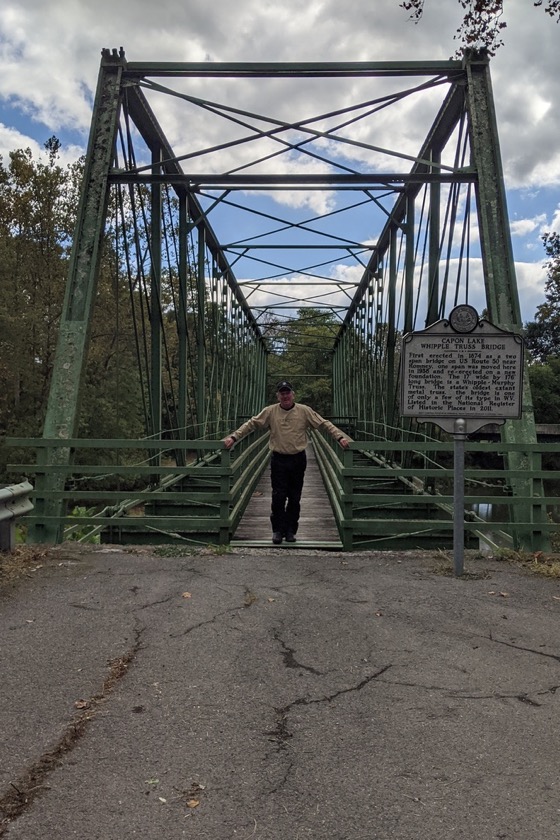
(14, 502)
(137, 491)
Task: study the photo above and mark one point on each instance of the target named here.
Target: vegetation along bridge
(232, 232)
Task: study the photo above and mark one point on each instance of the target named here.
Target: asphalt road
(278, 695)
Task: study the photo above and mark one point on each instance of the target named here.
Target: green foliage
(303, 354)
(81, 533)
(37, 212)
(545, 387)
(483, 22)
(542, 335)
(38, 207)
(542, 338)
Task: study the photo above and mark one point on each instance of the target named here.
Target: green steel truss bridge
(386, 211)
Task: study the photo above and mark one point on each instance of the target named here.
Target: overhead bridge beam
(264, 69)
(292, 181)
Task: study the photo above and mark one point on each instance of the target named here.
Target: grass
(536, 563)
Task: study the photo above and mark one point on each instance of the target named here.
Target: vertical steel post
(391, 330)
(182, 322)
(62, 413)
(155, 303)
(458, 497)
(409, 265)
(201, 337)
(432, 313)
(499, 278)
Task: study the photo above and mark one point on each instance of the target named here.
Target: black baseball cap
(284, 386)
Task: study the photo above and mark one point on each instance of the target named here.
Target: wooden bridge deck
(317, 527)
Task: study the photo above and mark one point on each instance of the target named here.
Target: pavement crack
(21, 792)
(554, 656)
(281, 733)
(289, 658)
(155, 603)
(231, 611)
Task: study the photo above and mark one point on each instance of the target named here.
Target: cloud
(531, 278)
(523, 227)
(50, 53)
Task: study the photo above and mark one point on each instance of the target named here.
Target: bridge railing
(383, 500)
(139, 491)
(384, 494)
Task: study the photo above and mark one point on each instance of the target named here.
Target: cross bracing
(233, 197)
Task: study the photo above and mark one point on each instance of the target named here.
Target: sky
(50, 53)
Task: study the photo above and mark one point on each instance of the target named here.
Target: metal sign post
(461, 374)
(458, 497)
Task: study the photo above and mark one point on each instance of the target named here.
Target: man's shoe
(277, 538)
(290, 537)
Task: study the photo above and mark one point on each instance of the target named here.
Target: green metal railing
(388, 494)
(384, 494)
(137, 491)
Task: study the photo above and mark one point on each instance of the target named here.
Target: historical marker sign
(462, 368)
(462, 373)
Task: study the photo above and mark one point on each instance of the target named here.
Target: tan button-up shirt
(288, 427)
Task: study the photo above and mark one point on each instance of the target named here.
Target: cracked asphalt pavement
(278, 695)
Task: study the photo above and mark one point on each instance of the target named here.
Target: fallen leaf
(193, 803)
(504, 594)
(186, 595)
(162, 799)
(556, 597)
(379, 613)
(492, 592)
(81, 704)
(152, 781)
(271, 600)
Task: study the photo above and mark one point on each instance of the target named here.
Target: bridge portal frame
(470, 96)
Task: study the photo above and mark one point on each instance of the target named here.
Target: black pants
(286, 476)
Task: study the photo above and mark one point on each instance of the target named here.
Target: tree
(542, 335)
(303, 354)
(545, 388)
(483, 22)
(542, 338)
(38, 207)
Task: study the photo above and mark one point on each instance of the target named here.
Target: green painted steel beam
(62, 414)
(269, 69)
(439, 134)
(499, 268)
(281, 180)
(152, 134)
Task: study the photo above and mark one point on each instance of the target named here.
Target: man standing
(288, 422)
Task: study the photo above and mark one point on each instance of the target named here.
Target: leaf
(193, 803)
(81, 704)
(504, 594)
(271, 600)
(186, 595)
(162, 799)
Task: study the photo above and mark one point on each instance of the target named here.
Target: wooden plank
(316, 524)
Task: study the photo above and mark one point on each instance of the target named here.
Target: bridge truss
(230, 197)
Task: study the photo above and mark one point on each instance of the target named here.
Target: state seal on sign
(464, 318)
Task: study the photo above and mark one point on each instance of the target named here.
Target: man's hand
(344, 442)
(229, 441)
